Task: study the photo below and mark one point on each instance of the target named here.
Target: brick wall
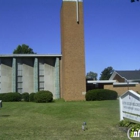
(73, 57)
(119, 78)
(122, 89)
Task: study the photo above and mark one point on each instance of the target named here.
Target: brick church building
(62, 74)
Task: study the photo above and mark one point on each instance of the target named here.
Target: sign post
(0, 103)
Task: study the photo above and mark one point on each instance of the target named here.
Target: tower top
(74, 0)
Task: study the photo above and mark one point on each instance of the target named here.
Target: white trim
(130, 91)
(134, 80)
(123, 84)
(102, 81)
(130, 81)
(113, 75)
(112, 81)
(120, 104)
(31, 55)
(74, 0)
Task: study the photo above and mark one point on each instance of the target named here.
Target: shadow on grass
(4, 115)
(123, 129)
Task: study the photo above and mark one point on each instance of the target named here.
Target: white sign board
(130, 106)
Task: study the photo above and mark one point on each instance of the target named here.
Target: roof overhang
(74, 0)
(125, 84)
(114, 74)
(112, 82)
(134, 80)
(102, 81)
(31, 55)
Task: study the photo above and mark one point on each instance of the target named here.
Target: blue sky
(111, 27)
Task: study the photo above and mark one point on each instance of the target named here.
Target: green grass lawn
(60, 121)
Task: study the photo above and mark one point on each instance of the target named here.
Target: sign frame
(130, 106)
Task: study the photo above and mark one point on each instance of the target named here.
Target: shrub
(43, 97)
(101, 94)
(11, 97)
(25, 96)
(129, 124)
(31, 97)
(124, 123)
(1, 96)
(136, 126)
(91, 95)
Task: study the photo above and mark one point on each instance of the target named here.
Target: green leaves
(106, 73)
(92, 75)
(23, 49)
(101, 94)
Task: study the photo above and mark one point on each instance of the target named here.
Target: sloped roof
(130, 74)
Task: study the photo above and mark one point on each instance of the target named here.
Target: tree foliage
(92, 75)
(23, 49)
(133, 0)
(106, 73)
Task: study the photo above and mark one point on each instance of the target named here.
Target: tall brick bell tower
(73, 54)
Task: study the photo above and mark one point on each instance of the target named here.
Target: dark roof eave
(31, 55)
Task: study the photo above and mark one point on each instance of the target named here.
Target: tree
(106, 73)
(92, 75)
(133, 0)
(23, 49)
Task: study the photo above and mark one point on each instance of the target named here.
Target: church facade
(30, 73)
(62, 74)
